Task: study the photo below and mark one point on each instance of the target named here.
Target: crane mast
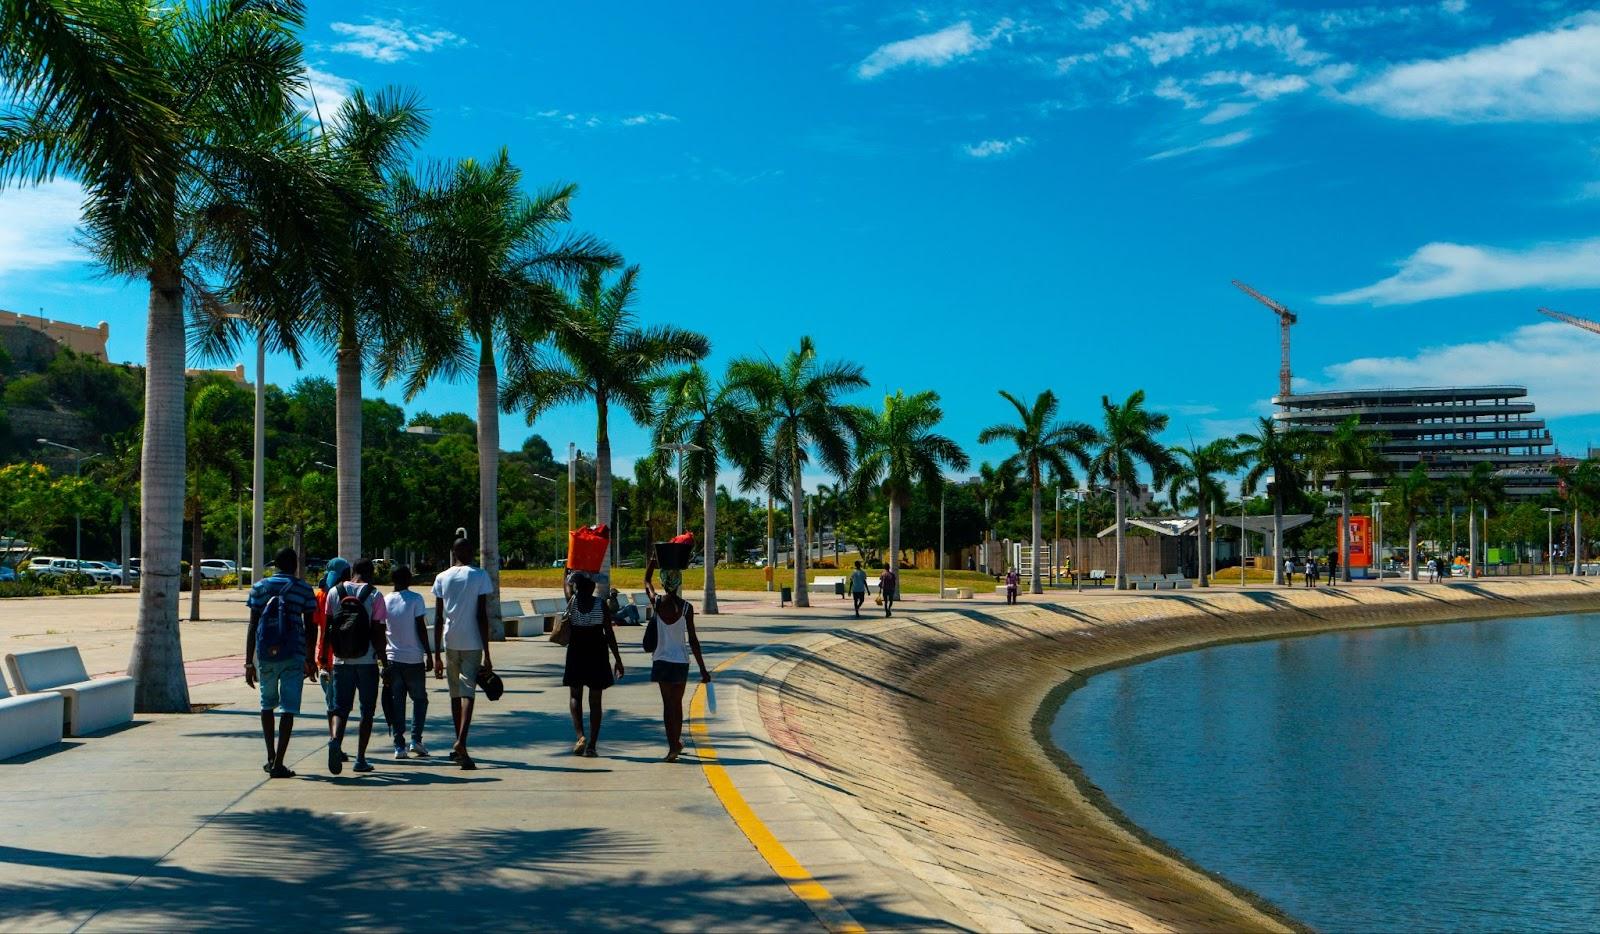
(1286, 318)
(1573, 320)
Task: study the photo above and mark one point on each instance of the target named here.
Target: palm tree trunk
(1201, 541)
(797, 517)
(1034, 585)
(1411, 543)
(1122, 577)
(300, 546)
(348, 439)
(156, 664)
(127, 542)
(895, 514)
(196, 555)
(708, 599)
(1277, 534)
(489, 480)
(1472, 540)
(1344, 536)
(602, 485)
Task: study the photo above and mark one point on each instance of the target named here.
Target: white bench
(1178, 581)
(89, 705)
(547, 610)
(642, 601)
(511, 617)
(29, 722)
(825, 585)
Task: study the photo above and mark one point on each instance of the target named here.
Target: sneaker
(419, 750)
(335, 759)
(363, 765)
(400, 753)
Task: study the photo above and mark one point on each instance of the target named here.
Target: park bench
(511, 617)
(28, 722)
(826, 585)
(1178, 581)
(547, 610)
(1098, 576)
(642, 601)
(88, 705)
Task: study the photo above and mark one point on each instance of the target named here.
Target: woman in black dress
(590, 622)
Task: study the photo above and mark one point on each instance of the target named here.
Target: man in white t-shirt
(461, 629)
(410, 657)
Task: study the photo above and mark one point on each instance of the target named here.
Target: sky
(1020, 196)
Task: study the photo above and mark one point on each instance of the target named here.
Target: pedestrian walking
(858, 588)
(410, 658)
(888, 589)
(1013, 584)
(590, 635)
(461, 628)
(1311, 572)
(336, 573)
(669, 662)
(353, 610)
(1288, 572)
(279, 652)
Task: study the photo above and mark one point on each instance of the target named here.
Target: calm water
(1431, 778)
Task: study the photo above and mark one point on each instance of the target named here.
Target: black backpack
(350, 630)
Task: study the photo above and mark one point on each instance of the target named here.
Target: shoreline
(942, 734)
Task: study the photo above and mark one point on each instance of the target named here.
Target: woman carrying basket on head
(590, 635)
(675, 640)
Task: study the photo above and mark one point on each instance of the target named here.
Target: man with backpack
(352, 610)
(277, 651)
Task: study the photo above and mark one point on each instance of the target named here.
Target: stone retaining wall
(935, 724)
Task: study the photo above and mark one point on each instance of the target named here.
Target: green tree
(1345, 454)
(220, 427)
(1280, 453)
(1197, 481)
(799, 399)
(897, 449)
(1412, 496)
(1479, 489)
(995, 485)
(32, 502)
(155, 111)
(1580, 485)
(1043, 444)
(1127, 438)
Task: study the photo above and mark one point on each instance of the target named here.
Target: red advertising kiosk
(1360, 532)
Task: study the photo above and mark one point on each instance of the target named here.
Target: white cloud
(1454, 7)
(1215, 142)
(1446, 270)
(1260, 87)
(390, 40)
(643, 119)
(1225, 112)
(598, 121)
(37, 225)
(993, 148)
(1547, 76)
(1168, 89)
(930, 50)
(1094, 18)
(1163, 47)
(324, 93)
(1557, 363)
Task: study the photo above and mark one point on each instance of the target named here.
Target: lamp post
(258, 467)
(1377, 522)
(618, 540)
(572, 486)
(78, 457)
(1550, 539)
(679, 447)
(941, 537)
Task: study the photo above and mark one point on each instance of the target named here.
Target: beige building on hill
(76, 337)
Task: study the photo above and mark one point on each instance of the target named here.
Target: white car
(43, 567)
(110, 567)
(213, 568)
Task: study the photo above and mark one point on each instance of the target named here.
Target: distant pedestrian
(461, 628)
(1333, 570)
(1013, 583)
(1311, 572)
(858, 588)
(335, 573)
(410, 658)
(591, 634)
(278, 651)
(669, 663)
(888, 589)
(1288, 572)
(353, 610)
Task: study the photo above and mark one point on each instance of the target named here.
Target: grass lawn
(732, 579)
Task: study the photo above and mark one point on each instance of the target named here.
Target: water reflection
(1426, 778)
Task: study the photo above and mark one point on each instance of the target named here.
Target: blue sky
(1017, 195)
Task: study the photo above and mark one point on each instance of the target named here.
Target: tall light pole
(1377, 522)
(78, 458)
(554, 485)
(1550, 537)
(679, 447)
(1077, 544)
(941, 536)
(572, 486)
(617, 541)
(258, 467)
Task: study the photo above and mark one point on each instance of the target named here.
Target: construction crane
(1573, 320)
(1285, 319)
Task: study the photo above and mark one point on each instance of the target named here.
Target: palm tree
(605, 357)
(1581, 483)
(1197, 479)
(1412, 496)
(153, 110)
(498, 259)
(219, 431)
(898, 449)
(994, 484)
(1043, 444)
(118, 470)
(1480, 488)
(1127, 438)
(720, 423)
(799, 401)
(1347, 451)
(1280, 453)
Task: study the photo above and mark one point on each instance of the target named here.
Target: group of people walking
(1310, 571)
(362, 646)
(888, 589)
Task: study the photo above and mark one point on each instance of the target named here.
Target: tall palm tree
(799, 399)
(219, 430)
(152, 110)
(994, 484)
(1043, 444)
(1197, 479)
(1281, 453)
(1127, 438)
(606, 357)
(898, 449)
(498, 258)
(1480, 488)
(720, 423)
(1412, 496)
(1345, 452)
(1581, 483)
(118, 471)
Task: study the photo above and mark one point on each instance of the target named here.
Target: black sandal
(282, 772)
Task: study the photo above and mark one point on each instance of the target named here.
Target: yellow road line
(804, 885)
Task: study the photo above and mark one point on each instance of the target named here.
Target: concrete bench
(1178, 581)
(89, 705)
(642, 601)
(952, 593)
(511, 617)
(826, 585)
(547, 611)
(29, 722)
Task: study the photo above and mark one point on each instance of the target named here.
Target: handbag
(491, 684)
(561, 632)
(650, 637)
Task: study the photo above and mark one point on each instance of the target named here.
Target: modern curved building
(1447, 430)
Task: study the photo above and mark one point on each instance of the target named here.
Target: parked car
(52, 567)
(214, 568)
(109, 567)
(8, 575)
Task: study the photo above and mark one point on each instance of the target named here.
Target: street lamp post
(1377, 522)
(1550, 539)
(679, 447)
(941, 537)
(258, 469)
(617, 541)
(77, 471)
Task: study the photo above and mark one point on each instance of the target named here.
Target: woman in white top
(675, 640)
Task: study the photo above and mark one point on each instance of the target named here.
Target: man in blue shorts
(278, 650)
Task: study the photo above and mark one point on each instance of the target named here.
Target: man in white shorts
(461, 628)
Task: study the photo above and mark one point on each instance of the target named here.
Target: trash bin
(785, 595)
(838, 588)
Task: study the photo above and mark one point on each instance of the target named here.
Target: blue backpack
(278, 632)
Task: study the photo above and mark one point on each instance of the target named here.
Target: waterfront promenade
(882, 775)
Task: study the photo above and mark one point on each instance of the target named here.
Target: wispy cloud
(1216, 142)
(390, 40)
(1447, 270)
(37, 225)
(930, 50)
(593, 121)
(994, 148)
(1551, 76)
(643, 119)
(1232, 110)
(323, 93)
(1163, 47)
